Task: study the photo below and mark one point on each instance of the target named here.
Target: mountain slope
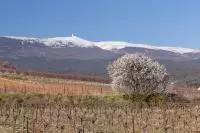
(73, 54)
(51, 48)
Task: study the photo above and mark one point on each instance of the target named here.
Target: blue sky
(159, 22)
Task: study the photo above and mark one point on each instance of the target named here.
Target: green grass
(14, 77)
(114, 99)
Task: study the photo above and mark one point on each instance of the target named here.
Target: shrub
(156, 99)
(135, 97)
(137, 73)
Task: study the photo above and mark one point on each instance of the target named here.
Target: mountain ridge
(105, 45)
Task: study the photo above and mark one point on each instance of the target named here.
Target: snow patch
(120, 45)
(21, 38)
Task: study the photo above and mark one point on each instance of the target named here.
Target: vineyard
(52, 86)
(28, 113)
(37, 104)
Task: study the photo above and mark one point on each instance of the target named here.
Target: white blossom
(137, 73)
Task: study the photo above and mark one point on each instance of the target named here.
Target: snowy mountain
(52, 48)
(74, 41)
(73, 54)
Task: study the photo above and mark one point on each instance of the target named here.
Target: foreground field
(34, 113)
(32, 104)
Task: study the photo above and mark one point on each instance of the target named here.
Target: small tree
(137, 73)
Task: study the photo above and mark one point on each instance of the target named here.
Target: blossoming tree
(137, 73)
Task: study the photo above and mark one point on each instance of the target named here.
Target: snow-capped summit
(57, 41)
(74, 41)
(67, 41)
